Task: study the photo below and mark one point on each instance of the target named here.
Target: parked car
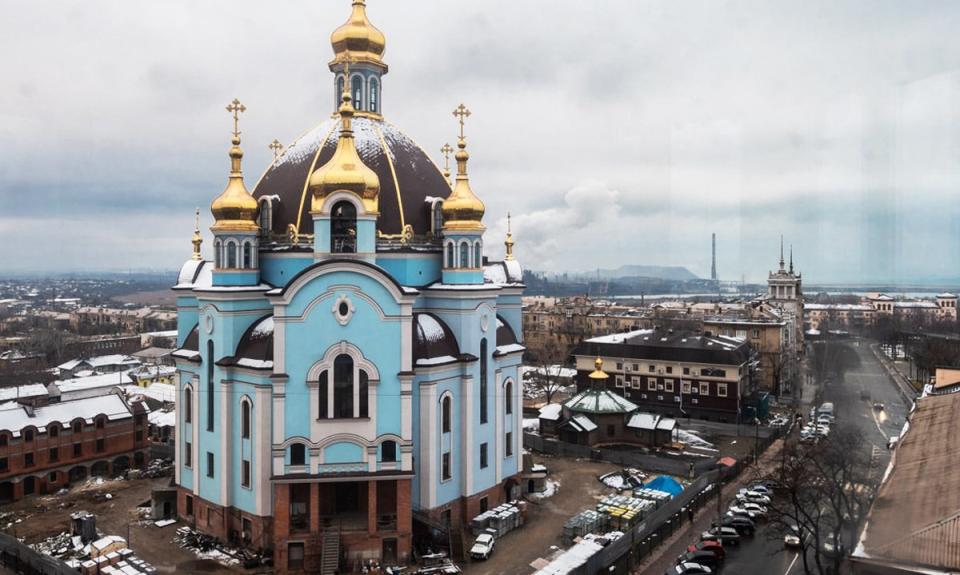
(741, 525)
(725, 535)
(792, 537)
(878, 406)
(714, 547)
(689, 569)
(738, 511)
(700, 557)
(483, 546)
(753, 496)
(761, 489)
(760, 510)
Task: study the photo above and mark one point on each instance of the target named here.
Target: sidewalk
(903, 384)
(665, 555)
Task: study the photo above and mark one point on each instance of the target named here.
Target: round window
(344, 309)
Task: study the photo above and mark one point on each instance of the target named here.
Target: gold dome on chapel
(345, 171)
(358, 38)
(235, 209)
(463, 210)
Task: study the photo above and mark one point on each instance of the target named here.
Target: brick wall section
(224, 523)
(464, 509)
(50, 473)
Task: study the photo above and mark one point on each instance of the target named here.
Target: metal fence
(655, 463)
(22, 559)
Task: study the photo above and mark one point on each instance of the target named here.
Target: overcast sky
(615, 131)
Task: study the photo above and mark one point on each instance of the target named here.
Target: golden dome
(358, 38)
(463, 210)
(598, 373)
(345, 171)
(235, 210)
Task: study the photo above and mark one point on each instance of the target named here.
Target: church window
(483, 380)
(464, 255)
(508, 444)
(187, 405)
(450, 262)
(508, 397)
(356, 82)
(298, 454)
(389, 451)
(209, 386)
(445, 467)
(364, 394)
(343, 386)
(437, 218)
(218, 253)
(446, 408)
(477, 256)
(231, 255)
(324, 395)
(245, 419)
(247, 256)
(343, 228)
(372, 102)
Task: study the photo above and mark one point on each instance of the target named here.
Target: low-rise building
(96, 365)
(673, 374)
(43, 449)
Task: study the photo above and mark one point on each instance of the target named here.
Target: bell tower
(358, 48)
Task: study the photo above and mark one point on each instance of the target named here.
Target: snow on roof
(264, 328)
(666, 423)
(642, 421)
(495, 274)
(551, 411)
(619, 337)
(599, 401)
(110, 405)
(22, 391)
(583, 423)
(92, 382)
(427, 361)
(101, 361)
(432, 330)
(946, 295)
(163, 418)
(511, 348)
(164, 392)
(555, 370)
(573, 558)
(916, 305)
(255, 363)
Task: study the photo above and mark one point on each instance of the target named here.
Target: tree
(546, 380)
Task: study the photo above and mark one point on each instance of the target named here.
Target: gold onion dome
(358, 39)
(235, 209)
(462, 210)
(345, 171)
(598, 373)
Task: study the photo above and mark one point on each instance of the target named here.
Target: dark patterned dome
(407, 176)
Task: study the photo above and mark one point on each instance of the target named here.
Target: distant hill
(675, 273)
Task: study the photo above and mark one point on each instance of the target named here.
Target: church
(349, 358)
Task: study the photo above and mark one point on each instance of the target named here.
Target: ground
(41, 517)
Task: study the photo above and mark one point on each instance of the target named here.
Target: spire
(509, 241)
(462, 210)
(345, 171)
(235, 209)
(781, 252)
(197, 238)
(791, 259)
(446, 150)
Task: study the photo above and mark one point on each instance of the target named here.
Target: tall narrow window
(388, 451)
(364, 394)
(209, 386)
(508, 398)
(372, 101)
(264, 219)
(446, 407)
(187, 405)
(324, 395)
(450, 263)
(298, 454)
(343, 228)
(339, 95)
(245, 419)
(438, 222)
(247, 256)
(217, 255)
(356, 83)
(343, 386)
(231, 255)
(464, 255)
(483, 380)
(477, 256)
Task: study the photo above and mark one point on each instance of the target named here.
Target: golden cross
(276, 147)
(236, 108)
(462, 113)
(446, 150)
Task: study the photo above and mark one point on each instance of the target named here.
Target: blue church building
(348, 357)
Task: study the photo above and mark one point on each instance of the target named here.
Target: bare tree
(546, 380)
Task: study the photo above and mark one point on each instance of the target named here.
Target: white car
(735, 510)
(791, 540)
(760, 510)
(483, 546)
(754, 496)
(760, 488)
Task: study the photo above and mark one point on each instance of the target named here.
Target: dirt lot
(41, 517)
(579, 488)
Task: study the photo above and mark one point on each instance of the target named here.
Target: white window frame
(721, 390)
(651, 384)
(618, 381)
(705, 388)
(668, 385)
(685, 387)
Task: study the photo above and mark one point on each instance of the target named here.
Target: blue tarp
(667, 484)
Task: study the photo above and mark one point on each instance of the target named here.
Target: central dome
(407, 176)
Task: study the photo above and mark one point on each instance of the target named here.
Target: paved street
(863, 376)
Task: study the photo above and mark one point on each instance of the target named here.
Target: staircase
(330, 557)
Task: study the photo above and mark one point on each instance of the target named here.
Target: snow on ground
(692, 439)
(531, 425)
(614, 480)
(551, 490)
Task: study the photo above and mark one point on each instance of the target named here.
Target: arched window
(464, 255)
(53, 430)
(388, 451)
(483, 380)
(247, 256)
(477, 256)
(298, 454)
(231, 255)
(364, 392)
(446, 409)
(210, 386)
(437, 218)
(266, 207)
(187, 405)
(77, 425)
(217, 253)
(508, 398)
(372, 101)
(339, 95)
(356, 82)
(343, 386)
(450, 262)
(245, 419)
(343, 228)
(324, 395)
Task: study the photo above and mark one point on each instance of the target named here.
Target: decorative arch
(343, 227)
(357, 90)
(246, 417)
(508, 396)
(28, 433)
(320, 269)
(340, 348)
(446, 412)
(342, 196)
(231, 249)
(464, 254)
(76, 424)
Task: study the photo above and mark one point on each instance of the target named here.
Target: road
(862, 376)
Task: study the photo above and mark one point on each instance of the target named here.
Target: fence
(655, 463)
(21, 559)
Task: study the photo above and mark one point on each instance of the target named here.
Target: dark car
(725, 535)
(689, 569)
(714, 547)
(701, 557)
(743, 525)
